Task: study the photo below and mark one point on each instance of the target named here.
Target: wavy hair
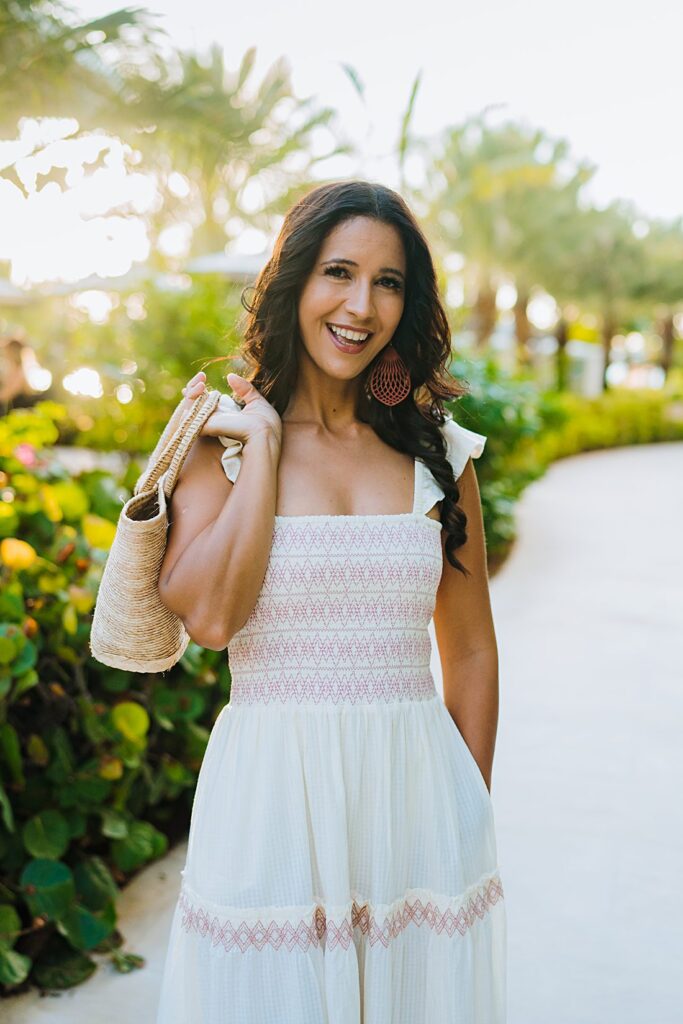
(272, 337)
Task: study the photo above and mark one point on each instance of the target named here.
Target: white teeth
(341, 332)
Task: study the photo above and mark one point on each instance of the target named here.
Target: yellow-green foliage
(97, 766)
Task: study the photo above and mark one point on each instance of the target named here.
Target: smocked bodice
(343, 613)
(346, 602)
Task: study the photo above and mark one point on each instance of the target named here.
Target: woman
(342, 862)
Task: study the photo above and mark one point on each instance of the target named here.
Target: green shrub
(152, 356)
(527, 430)
(510, 415)
(97, 766)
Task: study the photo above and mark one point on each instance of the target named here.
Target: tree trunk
(667, 330)
(609, 327)
(561, 335)
(522, 328)
(485, 314)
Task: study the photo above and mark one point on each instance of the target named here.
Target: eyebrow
(382, 270)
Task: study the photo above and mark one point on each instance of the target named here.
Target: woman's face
(358, 285)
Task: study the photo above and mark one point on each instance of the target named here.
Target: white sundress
(341, 865)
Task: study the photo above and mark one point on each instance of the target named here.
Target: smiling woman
(342, 861)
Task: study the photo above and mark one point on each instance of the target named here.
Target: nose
(359, 301)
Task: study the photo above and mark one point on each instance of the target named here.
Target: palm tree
(183, 112)
(494, 192)
(223, 133)
(49, 66)
(661, 285)
(604, 268)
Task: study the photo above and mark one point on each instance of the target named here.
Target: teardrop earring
(390, 379)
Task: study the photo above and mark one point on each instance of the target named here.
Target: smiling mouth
(346, 344)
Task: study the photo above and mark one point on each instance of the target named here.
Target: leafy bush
(509, 413)
(97, 766)
(171, 337)
(527, 430)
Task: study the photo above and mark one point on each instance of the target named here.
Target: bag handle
(189, 437)
(175, 442)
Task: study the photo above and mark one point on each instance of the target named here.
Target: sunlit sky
(605, 75)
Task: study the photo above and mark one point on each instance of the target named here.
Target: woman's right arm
(220, 537)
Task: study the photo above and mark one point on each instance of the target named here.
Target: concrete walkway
(589, 760)
(586, 781)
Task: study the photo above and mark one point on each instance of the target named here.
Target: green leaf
(83, 929)
(60, 966)
(159, 844)
(86, 788)
(114, 825)
(61, 744)
(7, 650)
(24, 683)
(177, 773)
(143, 843)
(131, 720)
(6, 810)
(112, 942)
(6, 894)
(47, 835)
(48, 887)
(10, 925)
(94, 883)
(180, 704)
(77, 823)
(26, 659)
(11, 752)
(36, 749)
(12, 602)
(71, 498)
(14, 967)
(115, 681)
(127, 962)
(92, 724)
(9, 523)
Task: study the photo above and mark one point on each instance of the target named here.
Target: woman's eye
(390, 280)
(393, 282)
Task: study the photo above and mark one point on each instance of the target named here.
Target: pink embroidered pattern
(343, 613)
(318, 927)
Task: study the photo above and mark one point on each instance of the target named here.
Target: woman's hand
(257, 417)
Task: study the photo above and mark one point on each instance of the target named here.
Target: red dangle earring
(390, 378)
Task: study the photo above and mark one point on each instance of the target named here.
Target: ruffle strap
(232, 456)
(461, 444)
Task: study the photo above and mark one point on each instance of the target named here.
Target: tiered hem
(299, 927)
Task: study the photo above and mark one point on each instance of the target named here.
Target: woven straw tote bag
(131, 628)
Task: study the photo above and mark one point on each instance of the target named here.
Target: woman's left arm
(463, 625)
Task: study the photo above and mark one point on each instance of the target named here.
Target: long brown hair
(272, 337)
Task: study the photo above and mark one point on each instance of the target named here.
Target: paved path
(589, 762)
